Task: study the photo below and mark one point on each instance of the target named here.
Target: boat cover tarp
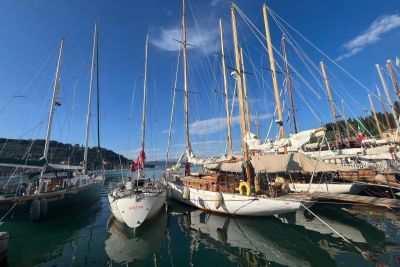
(293, 162)
(293, 143)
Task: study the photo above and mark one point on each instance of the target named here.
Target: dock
(355, 199)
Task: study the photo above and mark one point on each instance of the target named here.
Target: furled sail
(293, 143)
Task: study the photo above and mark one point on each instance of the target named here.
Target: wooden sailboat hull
(233, 204)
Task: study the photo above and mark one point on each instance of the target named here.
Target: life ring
(246, 186)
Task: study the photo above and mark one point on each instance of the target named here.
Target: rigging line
(304, 58)
(198, 31)
(23, 88)
(233, 104)
(263, 45)
(334, 80)
(297, 74)
(28, 118)
(309, 106)
(155, 150)
(73, 104)
(264, 92)
(300, 52)
(256, 72)
(133, 98)
(173, 107)
(319, 50)
(337, 86)
(247, 20)
(255, 69)
(251, 24)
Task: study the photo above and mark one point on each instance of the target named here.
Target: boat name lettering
(135, 207)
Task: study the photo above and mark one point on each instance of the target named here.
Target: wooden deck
(355, 199)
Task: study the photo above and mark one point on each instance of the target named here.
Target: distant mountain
(60, 153)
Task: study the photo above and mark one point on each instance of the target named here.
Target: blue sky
(356, 34)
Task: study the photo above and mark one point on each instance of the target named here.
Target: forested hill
(368, 123)
(59, 153)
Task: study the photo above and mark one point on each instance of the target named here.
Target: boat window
(203, 217)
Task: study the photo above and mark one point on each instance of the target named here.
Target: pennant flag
(361, 127)
(139, 162)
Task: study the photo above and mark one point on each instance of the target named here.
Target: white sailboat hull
(135, 209)
(233, 204)
(323, 188)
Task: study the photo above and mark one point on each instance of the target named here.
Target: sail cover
(292, 162)
(293, 143)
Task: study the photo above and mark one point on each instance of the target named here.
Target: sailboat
(295, 143)
(134, 202)
(54, 184)
(225, 193)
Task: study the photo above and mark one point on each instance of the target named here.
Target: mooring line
(365, 254)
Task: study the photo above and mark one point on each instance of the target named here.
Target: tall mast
(384, 110)
(384, 85)
(145, 92)
(88, 114)
(187, 142)
(98, 91)
(228, 115)
(239, 83)
(240, 93)
(274, 79)
(374, 114)
(54, 103)
(396, 86)
(328, 89)
(345, 122)
(246, 96)
(289, 84)
(56, 89)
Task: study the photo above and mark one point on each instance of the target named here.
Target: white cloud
(372, 35)
(204, 39)
(218, 124)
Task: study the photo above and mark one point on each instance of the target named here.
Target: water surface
(184, 236)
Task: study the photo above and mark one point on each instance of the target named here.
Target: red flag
(361, 136)
(139, 162)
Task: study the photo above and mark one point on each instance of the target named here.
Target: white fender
(218, 200)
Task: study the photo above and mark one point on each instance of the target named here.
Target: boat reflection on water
(244, 240)
(124, 245)
(299, 239)
(360, 232)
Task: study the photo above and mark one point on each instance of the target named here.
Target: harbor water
(183, 236)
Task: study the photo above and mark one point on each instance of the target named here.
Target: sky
(349, 36)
